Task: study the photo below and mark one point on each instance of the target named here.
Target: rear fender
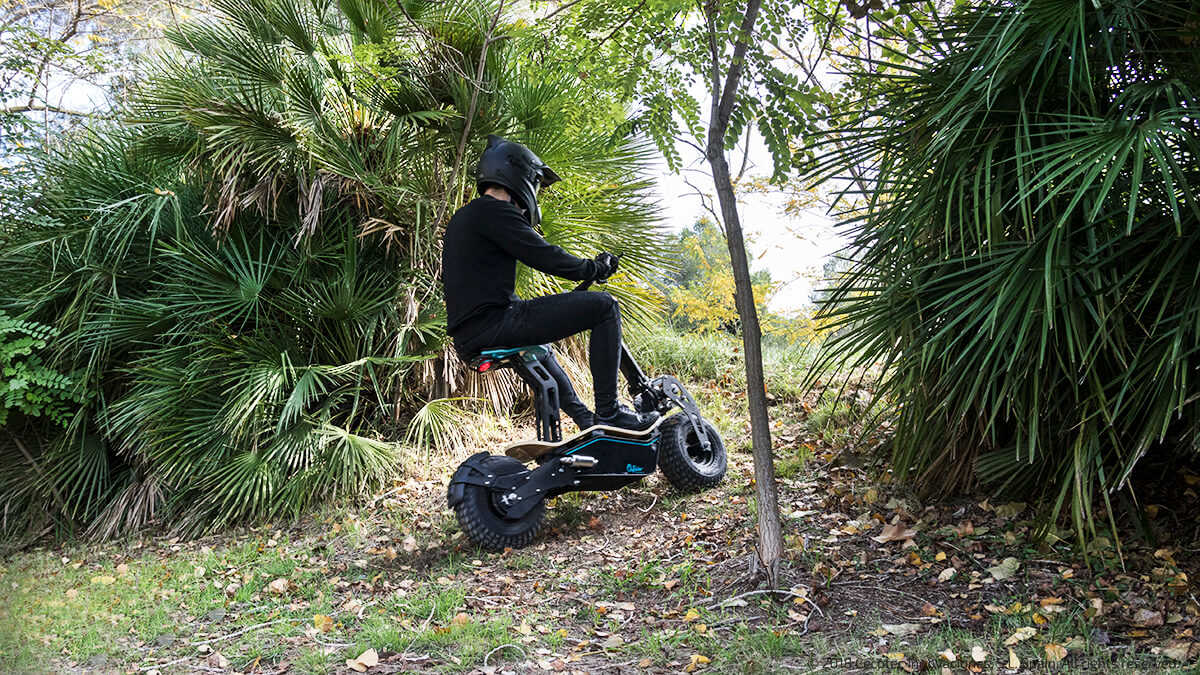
(472, 472)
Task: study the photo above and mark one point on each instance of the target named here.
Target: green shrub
(244, 266)
(1028, 262)
(27, 385)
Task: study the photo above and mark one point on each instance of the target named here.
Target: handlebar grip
(583, 286)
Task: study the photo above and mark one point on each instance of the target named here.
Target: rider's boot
(625, 417)
(579, 413)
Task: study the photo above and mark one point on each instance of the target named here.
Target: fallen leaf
(691, 615)
(900, 629)
(365, 660)
(896, 531)
(929, 610)
(696, 661)
(460, 619)
(104, 580)
(1010, 509)
(612, 642)
(1177, 652)
(217, 661)
(1005, 569)
(1013, 662)
(323, 623)
(1021, 635)
(948, 656)
(672, 583)
(122, 569)
(409, 544)
(1148, 618)
(895, 656)
(1055, 653)
(978, 655)
(947, 574)
(279, 586)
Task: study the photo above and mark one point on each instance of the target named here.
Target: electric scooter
(500, 501)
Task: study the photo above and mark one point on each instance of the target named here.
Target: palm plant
(244, 269)
(1028, 265)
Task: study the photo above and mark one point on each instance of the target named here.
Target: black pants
(554, 317)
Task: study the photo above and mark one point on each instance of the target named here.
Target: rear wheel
(482, 517)
(684, 460)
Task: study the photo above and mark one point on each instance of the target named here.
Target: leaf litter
(857, 550)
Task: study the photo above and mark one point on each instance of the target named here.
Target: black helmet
(515, 168)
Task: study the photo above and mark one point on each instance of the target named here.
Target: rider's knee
(609, 303)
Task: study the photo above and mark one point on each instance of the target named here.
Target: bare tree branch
(560, 8)
(45, 107)
(471, 108)
(745, 157)
(705, 200)
(736, 65)
(621, 25)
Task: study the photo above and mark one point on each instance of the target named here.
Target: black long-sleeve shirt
(481, 247)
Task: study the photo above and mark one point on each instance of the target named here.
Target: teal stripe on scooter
(613, 440)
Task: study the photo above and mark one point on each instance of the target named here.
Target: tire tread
(672, 457)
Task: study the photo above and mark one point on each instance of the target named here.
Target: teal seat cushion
(527, 354)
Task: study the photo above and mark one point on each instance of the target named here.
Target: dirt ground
(640, 580)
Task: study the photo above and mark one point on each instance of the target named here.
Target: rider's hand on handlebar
(606, 265)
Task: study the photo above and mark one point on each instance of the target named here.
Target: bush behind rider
(482, 244)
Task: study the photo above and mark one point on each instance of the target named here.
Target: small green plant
(27, 384)
(441, 425)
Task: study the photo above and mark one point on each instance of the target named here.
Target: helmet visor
(547, 177)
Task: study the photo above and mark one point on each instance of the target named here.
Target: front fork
(660, 394)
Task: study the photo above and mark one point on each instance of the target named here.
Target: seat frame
(527, 362)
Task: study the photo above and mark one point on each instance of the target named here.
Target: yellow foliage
(709, 302)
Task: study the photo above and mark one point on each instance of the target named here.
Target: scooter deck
(526, 451)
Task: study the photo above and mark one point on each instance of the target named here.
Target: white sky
(793, 248)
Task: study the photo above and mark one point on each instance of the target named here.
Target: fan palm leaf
(1026, 266)
(244, 267)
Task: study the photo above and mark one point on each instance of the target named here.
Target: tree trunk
(724, 96)
(770, 537)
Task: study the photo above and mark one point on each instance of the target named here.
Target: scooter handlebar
(584, 285)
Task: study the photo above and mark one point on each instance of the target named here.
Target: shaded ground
(641, 580)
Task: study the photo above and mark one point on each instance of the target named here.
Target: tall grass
(717, 357)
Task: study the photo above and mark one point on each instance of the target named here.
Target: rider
(481, 247)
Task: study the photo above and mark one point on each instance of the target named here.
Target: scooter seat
(489, 359)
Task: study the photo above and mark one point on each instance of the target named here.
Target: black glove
(606, 265)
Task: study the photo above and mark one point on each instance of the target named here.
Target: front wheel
(683, 459)
(482, 517)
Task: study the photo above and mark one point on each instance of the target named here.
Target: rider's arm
(512, 233)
